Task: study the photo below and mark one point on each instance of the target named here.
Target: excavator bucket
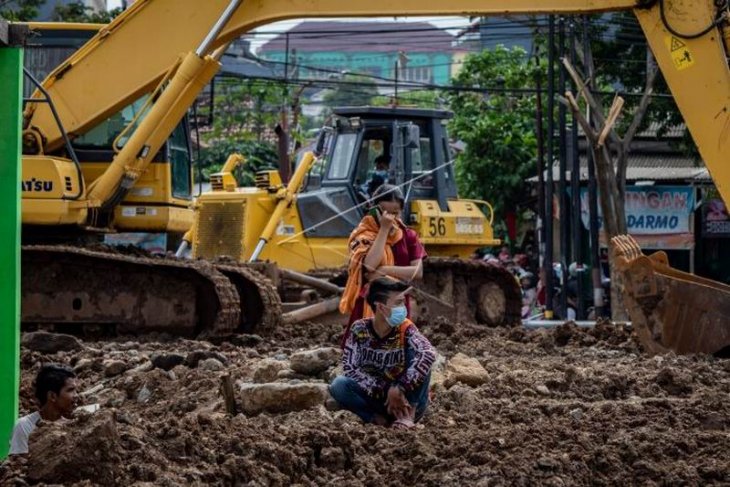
(671, 310)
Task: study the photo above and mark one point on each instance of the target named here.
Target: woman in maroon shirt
(408, 252)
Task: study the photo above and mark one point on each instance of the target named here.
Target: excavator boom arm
(116, 67)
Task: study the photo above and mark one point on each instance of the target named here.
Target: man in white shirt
(55, 390)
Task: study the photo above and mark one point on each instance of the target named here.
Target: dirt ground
(563, 407)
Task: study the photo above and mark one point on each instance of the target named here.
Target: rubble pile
(509, 406)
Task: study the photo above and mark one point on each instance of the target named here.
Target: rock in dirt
(114, 367)
(312, 362)
(333, 458)
(194, 358)
(281, 398)
(44, 342)
(144, 395)
(85, 449)
(211, 365)
(268, 369)
(83, 364)
(466, 370)
(167, 361)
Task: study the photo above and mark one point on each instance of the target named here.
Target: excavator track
(259, 298)
(72, 287)
(468, 291)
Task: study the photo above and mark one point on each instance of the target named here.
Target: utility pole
(548, 259)
(598, 301)
(575, 188)
(562, 194)
(12, 40)
(539, 115)
(282, 131)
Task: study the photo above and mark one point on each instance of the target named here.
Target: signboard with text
(658, 216)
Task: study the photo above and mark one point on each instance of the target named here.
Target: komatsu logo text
(36, 186)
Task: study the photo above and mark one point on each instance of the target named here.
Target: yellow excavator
(158, 67)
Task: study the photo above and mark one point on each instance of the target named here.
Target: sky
(288, 24)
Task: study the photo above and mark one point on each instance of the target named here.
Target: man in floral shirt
(386, 362)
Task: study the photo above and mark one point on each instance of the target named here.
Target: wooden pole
(313, 311)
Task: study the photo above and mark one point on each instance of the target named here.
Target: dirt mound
(556, 410)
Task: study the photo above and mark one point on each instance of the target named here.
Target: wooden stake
(229, 396)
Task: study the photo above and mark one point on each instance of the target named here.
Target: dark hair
(388, 192)
(51, 378)
(381, 289)
(382, 158)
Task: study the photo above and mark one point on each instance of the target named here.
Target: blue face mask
(382, 174)
(397, 316)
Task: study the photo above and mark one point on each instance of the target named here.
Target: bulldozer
(308, 228)
(129, 95)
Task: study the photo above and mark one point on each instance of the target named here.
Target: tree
(623, 59)
(497, 127)
(78, 12)
(20, 10)
(611, 153)
(352, 90)
(417, 98)
(244, 114)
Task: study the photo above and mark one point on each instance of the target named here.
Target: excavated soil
(561, 407)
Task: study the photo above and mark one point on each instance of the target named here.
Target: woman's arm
(405, 273)
(375, 254)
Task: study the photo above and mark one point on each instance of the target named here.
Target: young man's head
(389, 199)
(382, 164)
(387, 298)
(55, 389)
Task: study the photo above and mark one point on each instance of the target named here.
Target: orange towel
(361, 239)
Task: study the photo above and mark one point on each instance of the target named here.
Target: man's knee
(341, 387)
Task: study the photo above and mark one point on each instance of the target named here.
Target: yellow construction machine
(305, 224)
(129, 87)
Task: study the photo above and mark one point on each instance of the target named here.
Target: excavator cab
(412, 146)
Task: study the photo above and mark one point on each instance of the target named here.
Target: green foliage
(360, 91)
(246, 108)
(621, 62)
(78, 12)
(498, 128)
(20, 10)
(420, 99)
(244, 112)
(259, 155)
(27, 10)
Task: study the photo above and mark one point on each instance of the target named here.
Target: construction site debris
(45, 342)
(194, 358)
(167, 361)
(466, 370)
(613, 416)
(277, 397)
(268, 369)
(212, 365)
(313, 362)
(114, 367)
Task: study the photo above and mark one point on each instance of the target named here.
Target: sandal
(403, 424)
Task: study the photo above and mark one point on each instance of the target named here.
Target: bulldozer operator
(380, 246)
(379, 176)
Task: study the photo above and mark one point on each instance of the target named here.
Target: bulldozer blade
(671, 310)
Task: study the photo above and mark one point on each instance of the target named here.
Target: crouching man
(55, 390)
(386, 362)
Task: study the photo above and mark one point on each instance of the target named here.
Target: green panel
(11, 62)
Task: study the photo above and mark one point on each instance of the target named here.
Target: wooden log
(313, 311)
(229, 397)
(310, 281)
